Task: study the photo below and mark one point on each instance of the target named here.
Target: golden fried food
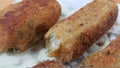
(116, 1)
(5, 3)
(108, 57)
(49, 64)
(70, 38)
(24, 24)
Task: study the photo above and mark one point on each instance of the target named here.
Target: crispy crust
(116, 1)
(49, 64)
(79, 31)
(108, 57)
(24, 24)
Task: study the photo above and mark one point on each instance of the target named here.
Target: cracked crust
(108, 57)
(24, 24)
(78, 32)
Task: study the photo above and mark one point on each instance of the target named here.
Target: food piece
(24, 24)
(71, 37)
(108, 57)
(5, 3)
(116, 1)
(49, 64)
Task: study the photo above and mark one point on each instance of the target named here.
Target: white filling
(43, 55)
(54, 43)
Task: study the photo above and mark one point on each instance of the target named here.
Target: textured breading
(108, 57)
(49, 64)
(24, 24)
(116, 1)
(70, 38)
